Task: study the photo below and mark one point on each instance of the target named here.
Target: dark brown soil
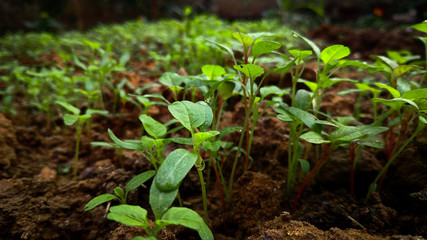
(39, 199)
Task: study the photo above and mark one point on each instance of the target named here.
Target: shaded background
(53, 15)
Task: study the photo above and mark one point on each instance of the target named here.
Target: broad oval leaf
(250, 70)
(160, 201)
(129, 215)
(187, 218)
(208, 115)
(70, 119)
(99, 200)
(213, 71)
(305, 165)
(174, 168)
(189, 114)
(139, 179)
(268, 90)
(402, 69)
(302, 99)
(262, 47)
(200, 137)
(153, 127)
(243, 38)
(226, 88)
(334, 52)
(171, 79)
(313, 137)
(415, 94)
(308, 119)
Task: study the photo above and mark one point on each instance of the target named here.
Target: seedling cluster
(221, 65)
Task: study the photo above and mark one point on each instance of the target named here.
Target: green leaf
(311, 85)
(139, 179)
(95, 111)
(187, 218)
(200, 137)
(213, 71)
(396, 103)
(302, 99)
(268, 90)
(313, 137)
(243, 38)
(300, 55)
(153, 127)
(225, 131)
(283, 68)
(366, 87)
(208, 115)
(69, 107)
(226, 88)
(305, 165)
(389, 62)
(392, 90)
(331, 81)
(223, 47)
(120, 193)
(189, 114)
(346, 134)
(124, 144)
(422, 27)
(308, 119)
(129, 215)
(334, 52)
(144, 238)
(250, 70)
(171, 79)
(415, 94)
(182, 140)
(310, 43)
(174, 168)
(262, 47)
(91, 44)
(355, 63)
(70, 119)
(402, 69)
(159, 200)
(99, 200)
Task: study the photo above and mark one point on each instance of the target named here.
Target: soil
(40, 200)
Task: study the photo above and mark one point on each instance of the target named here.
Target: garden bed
(40, 200)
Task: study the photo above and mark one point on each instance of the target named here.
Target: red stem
(326, 151)
(218, 183)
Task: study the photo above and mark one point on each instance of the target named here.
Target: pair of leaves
(137, 216)
(192, 115)
(133, 184)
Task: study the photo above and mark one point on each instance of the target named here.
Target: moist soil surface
(39, 199)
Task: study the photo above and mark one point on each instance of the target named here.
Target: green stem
(205, 202)
(390, 161)
(77, 150)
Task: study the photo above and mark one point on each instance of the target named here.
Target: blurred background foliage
(57, 16)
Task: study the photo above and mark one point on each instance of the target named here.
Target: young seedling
(163, 192)
(422, 27)
(343, 135)
(413, 104)
(79, 119)
(196, 116)
(120, 195)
